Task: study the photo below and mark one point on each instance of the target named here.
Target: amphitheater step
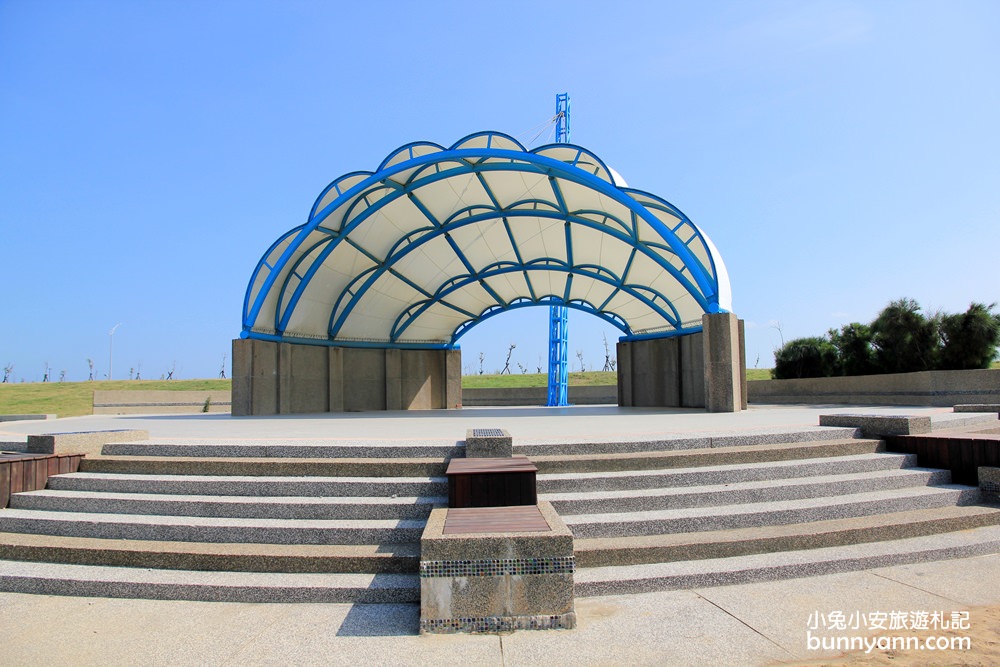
(129, 582)
(742, 454)
(653, 522)
(711, 475)
(642, 500)
(211, 529)
(232, 485)
(264, 467)
(599, 552)
(285, 450)
(249, 507)
(234, 557)
(615, 580)
(688, 443)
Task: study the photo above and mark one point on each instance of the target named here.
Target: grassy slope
(71, 399)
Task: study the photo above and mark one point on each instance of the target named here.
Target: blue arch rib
(493, 311)
(519, 161)
(335, 325)
(502, 268)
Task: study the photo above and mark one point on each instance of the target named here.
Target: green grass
(72, 399)
(588, 378)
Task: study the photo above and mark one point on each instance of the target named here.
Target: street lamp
(111, 348)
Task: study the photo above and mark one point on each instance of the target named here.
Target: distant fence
(589, 395)
(134, 402)
(928, 388)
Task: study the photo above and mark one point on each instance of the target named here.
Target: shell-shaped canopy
(438, 239)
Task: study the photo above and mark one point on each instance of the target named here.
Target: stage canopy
(439, 239)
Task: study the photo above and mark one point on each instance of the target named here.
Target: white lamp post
(111, 349)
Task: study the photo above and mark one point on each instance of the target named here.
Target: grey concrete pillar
(722, 353)
(335, 375)
(393, 379)
(242, 405)
(452, 379)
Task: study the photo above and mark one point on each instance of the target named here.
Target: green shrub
(805, 358)
(905, 341)
(970, 338)
(855, 352)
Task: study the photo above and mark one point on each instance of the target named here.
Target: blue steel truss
(558, 394)
(287, 269)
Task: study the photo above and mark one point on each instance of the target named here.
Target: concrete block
(989, 484)
(692, 371)
(490, 582)
(880, 425)
(968, 407)
(364, 373)
(264, 378)
(452, 379)
(488, 443)
(84, 442)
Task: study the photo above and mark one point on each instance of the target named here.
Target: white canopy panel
(438, 239)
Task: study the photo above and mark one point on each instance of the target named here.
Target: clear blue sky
(840, 154)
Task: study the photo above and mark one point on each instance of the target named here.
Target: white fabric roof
(437, 239)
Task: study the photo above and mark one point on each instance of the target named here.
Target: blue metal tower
(559, 315)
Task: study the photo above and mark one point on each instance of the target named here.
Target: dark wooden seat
(491, 482)
(30, 472)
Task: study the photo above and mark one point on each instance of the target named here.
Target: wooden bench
(961, 453)
(491, 482)
(30, 472)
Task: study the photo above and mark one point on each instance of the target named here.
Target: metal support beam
(559, 315)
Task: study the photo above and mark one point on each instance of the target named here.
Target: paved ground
(525, 424)
(753, 624)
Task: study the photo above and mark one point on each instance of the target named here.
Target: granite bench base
(499, 581)
(989, 484)
(879, 425)
(488, 443)
(84, 442)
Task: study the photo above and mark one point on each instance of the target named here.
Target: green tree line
(900, 340)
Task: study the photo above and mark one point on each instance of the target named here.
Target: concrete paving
(538, 424)
(747, 624)
(750, 624)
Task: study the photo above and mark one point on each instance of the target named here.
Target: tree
(970, 338)
(7, 370)
(90, 363)
(855, 352)
(905, 341)
(805, 358)
(506, 364)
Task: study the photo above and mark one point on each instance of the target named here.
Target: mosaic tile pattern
(495, 568)
(487, 433)
(499, 623)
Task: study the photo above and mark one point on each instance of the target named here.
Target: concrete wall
(596, 395)
(285, 378)
(703, 370)
(932, 388)
(138, 401)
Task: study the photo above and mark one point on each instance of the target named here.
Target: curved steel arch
(367, 230)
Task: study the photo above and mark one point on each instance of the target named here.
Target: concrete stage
(749, 624)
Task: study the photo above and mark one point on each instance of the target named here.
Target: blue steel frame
(358, 189)
(558, 394)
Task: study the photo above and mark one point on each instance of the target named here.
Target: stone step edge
(704, 457)
(627, 550)
(142, 583)
(227, 556)
(920, 476)
(264, 467)
(627, 579)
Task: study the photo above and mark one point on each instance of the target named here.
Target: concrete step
(264, 467)
(599, 552)
(641, 500)
(232, 557)
(687, 442)
(743, 454)
(211, 529)
(233, 485)
(689, 520)
(720, 474)
(259, 507)
(616, 580)
(287, 449)
(129, 582)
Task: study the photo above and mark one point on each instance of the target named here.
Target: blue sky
(840, 154)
